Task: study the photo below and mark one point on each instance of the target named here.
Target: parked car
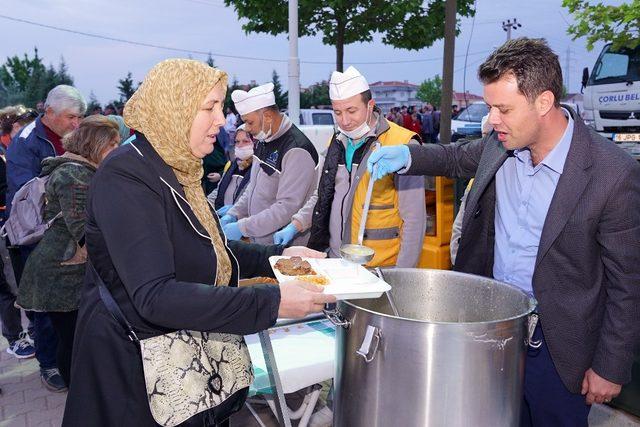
(467, 124)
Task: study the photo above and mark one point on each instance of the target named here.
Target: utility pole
(508, 26)
(447, 70)
(294, 64)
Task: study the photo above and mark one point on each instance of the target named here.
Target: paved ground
(26, 403)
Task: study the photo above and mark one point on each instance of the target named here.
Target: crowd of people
(258, 170)
(153, 215)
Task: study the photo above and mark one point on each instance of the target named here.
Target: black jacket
(587, 272)
(159, 264)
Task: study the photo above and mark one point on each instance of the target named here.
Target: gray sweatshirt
(283, 177)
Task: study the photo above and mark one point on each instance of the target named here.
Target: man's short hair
(273, 108)
(64, 97)
(366, 96)
(531, 61)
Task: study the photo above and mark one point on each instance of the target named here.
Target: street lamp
(508, 26)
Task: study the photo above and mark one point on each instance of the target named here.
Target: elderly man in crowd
(64, 109)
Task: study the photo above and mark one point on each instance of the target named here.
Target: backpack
(26, 225)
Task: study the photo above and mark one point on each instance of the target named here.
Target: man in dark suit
(553, 210)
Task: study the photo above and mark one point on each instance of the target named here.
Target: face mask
(360, 131)
(243, 153)
(262, 135)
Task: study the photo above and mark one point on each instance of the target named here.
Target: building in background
(463, 100)
(394, 94)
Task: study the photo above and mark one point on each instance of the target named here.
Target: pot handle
(532, 322)
(334, 315)
(365, 348)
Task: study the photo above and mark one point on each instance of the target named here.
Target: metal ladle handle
(367, 202)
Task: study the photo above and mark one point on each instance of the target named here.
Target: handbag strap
(112, 306)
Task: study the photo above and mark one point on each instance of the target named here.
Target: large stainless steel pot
(454, 356)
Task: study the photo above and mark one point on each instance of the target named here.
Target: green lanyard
(351, 150)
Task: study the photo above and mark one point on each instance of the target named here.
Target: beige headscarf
(163, 109)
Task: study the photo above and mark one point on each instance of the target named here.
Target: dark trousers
(9, 314)
(64, 324)
(44, 336)
(547, 402)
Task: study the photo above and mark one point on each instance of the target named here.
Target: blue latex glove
(227, 219)
(388, 159)
(232, 231)
(284, 236)
(223, 210)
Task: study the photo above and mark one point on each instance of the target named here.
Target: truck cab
(612, 97)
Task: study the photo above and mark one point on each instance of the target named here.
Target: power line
(221, 55)
(207, 3)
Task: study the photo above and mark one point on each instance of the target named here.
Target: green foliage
(27, 80)
(316, 95)
(126, 88)
(93, 103)
(430, 91)
(210, 61)
(405, 24)
(619, 25)
(227, 100)
(282, 98)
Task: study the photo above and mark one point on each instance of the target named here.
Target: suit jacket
(587, 272)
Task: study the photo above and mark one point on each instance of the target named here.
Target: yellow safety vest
(384, 224)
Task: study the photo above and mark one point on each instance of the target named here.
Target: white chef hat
(347, 84)
(253, 100)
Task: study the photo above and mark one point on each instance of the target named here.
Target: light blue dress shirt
(523, 196)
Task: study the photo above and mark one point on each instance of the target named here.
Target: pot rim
(533, 303)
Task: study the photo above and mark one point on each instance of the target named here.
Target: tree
(619, 25)
(126, 88)
(315, 95)
(430, 91)
(405, 24)
(93, 103)
(282, 99)
(27, 81)
(210, 62)
(228, 103)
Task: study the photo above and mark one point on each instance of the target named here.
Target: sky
(209, 26)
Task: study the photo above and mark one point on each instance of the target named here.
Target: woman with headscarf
(156, 248)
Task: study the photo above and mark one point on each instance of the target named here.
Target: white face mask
(360, 131)
(243, 153)
(262, 135)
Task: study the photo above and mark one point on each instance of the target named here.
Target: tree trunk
(340, 46)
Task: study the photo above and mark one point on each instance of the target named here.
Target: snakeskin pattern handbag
(186, 372)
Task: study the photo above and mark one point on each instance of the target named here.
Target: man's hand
(303, 252)
(223, 210)
(227, 219)
(298, 299)
(284, 236)
(597, 389)
(232, 231)
(388, 160)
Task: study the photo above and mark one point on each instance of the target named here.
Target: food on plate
(315, 279)
(294, 266)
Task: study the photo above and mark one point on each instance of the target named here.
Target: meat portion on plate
(294, 266)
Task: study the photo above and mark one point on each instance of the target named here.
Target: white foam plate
(346, 280)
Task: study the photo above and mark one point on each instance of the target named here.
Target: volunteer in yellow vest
(396, 222)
